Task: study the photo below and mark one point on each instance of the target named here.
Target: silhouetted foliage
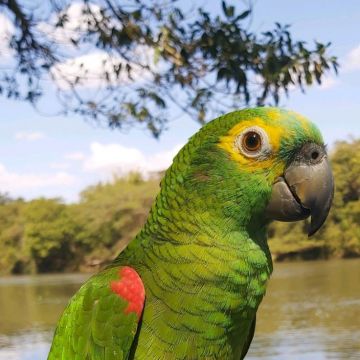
(150, 56)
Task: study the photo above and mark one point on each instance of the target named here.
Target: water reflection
(311, 311)
(29, 308)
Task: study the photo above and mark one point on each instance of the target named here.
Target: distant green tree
(11, 237)
(49, 233)
(154, 54)
(111, 214)
(5, 198)
(342, 233)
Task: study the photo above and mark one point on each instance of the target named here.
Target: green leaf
(242, 16)
(228, 10)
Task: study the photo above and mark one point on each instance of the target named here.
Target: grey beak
(306, 189)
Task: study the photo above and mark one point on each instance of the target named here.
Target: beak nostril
(315, 155)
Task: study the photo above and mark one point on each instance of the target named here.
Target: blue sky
(59, 156)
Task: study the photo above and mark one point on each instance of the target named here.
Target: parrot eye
(253, 142)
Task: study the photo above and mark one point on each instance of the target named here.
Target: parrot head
(261, 163)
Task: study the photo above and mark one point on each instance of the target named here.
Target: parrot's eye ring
(253, 142)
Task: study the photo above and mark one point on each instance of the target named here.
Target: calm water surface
(311, 311)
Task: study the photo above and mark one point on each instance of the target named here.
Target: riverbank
(310, 253)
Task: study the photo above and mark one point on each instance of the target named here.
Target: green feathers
(94, 325)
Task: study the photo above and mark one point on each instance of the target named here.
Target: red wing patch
(130, 288)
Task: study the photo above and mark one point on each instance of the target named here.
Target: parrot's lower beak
(306, 188)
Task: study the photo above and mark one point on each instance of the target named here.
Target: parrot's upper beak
(306, 188)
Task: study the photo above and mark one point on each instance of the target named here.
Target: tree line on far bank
(47, 235)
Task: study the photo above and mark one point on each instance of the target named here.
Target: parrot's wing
(249, 339)
(102, 318)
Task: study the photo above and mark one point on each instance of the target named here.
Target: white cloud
(19, 182)
(101, 163)
(29, 135)
(6, 31)
(88, 67)
(77, 22)
(97, 69)
(115, 158)
(93, 68)
(352, 60)
(75, 156)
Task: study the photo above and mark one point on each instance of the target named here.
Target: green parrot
(189, 284)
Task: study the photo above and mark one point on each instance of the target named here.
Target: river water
(311, 312)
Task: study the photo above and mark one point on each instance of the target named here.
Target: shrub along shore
(47, 235)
